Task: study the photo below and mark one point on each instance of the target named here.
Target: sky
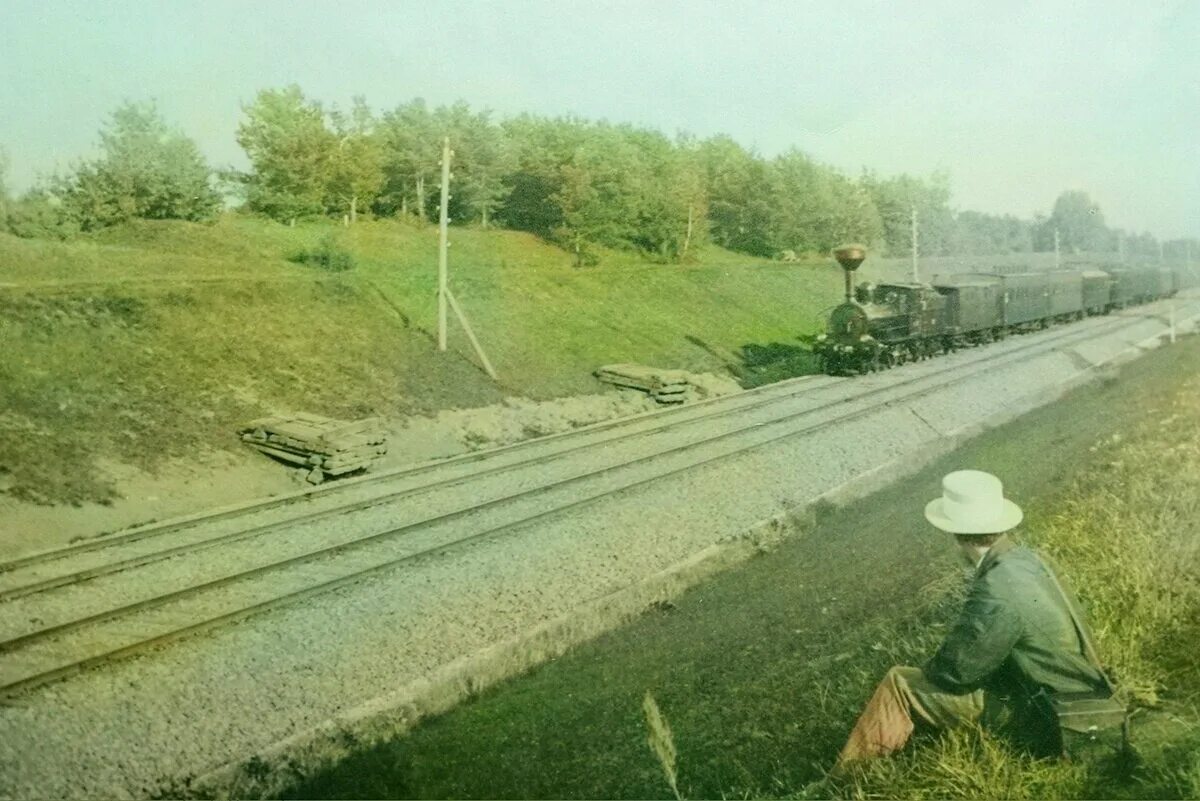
(1015, 101)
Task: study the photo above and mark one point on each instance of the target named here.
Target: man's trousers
(903, 698)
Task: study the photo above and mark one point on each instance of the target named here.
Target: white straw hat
(972, 502)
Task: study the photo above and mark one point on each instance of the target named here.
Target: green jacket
(1014, 636)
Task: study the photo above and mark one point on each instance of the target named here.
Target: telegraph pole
(915, 276)
(445, 298)
(443, 244)
(1057, 255)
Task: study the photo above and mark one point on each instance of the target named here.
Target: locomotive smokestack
(850, 256)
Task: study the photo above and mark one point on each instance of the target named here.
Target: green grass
(761, 671)
(1129, 530)
(154, 339)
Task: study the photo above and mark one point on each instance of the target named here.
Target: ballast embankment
(245, 710)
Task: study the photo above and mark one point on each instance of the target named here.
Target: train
(882, 325)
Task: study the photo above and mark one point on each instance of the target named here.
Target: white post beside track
(443, 220)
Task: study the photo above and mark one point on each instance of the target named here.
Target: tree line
(576, 182)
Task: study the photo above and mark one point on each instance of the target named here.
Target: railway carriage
(1097, 291)
(1131, 287)
(1185, 278)
(974, 310)
(1026, 300)
(1064, 295)
(886, 324)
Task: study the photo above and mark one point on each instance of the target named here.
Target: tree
(898, 196)
(291, 152)
(482, 161)
(815, 208)
(356, 166)
(538, 148)
(412, 150)
(739, 205)
(978, 234)
(148, 171)
(1079, 223)
(689, 192)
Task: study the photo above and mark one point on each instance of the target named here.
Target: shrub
(327, 255)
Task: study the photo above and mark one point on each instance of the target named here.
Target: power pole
(1160, 251)
(1057, 256)
(443, 244)
(445, 297)
(915, 276)
(1121, 246)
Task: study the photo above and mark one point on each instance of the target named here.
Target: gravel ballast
(244, 708)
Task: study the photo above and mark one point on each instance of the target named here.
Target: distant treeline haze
(572, 181)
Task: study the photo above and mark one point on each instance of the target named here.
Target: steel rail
(137, 561)
(264, 505)
(48, 676)
(66, 579)
(784, 388)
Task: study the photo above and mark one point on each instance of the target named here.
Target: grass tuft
(660, 740)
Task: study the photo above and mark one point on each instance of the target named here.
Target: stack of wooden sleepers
(330, 447)
(665, 386)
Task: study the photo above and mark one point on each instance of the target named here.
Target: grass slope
(153, 339)
(762, 670)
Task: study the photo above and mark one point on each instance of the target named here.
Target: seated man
(1014, 646)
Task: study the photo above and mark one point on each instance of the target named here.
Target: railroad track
(64, 616)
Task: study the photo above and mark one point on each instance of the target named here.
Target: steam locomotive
(887, 324)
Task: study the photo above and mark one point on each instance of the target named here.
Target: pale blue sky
(1016, 100)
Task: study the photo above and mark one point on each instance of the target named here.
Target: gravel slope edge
(270, 770)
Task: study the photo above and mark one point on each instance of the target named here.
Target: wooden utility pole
(445, 296)
(443, 244)
(1057, 255)
(915, 275)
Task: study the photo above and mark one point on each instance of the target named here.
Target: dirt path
(742, 665)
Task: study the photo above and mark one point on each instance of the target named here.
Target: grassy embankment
(762, 670)
(152, 340)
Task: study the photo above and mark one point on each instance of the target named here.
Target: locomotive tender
(886, 324)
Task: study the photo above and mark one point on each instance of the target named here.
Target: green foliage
(1079, 223)
(978, 234)
(739, 208)
(816, 208)
(412, 150)
(39, 215)
(148, 171)
(898, 196)
(586, 185)
(292, 154)
(329, 254)
(356, 168)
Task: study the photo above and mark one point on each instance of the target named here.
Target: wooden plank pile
(330, 447)
(665, 386)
